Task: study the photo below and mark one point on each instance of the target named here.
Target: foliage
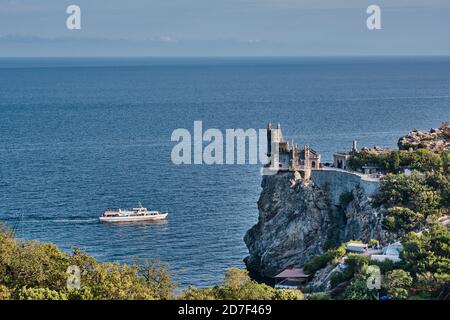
(33, 270)
(5, 293)
(385, 265)
(427, 257)
(157, 277)
(403, 220)
(413, 192)
(422, 160)
(38, 271)
(358, 289)
(40, 294)
(356, 263)
(365, 158)
(397, 283)
(445, 159)
(287, 294)
(321, 261)
(373, 243)
(192, 293)
(237, 285)
(319, 296)
(337, 278)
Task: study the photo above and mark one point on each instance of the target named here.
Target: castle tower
(292, 160)
(269, 139)
(306, 155)
(354, 146)
(307, 171)
(273, 136)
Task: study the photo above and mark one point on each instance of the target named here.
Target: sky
(224, 28)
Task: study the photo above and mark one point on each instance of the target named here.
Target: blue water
(80, 136)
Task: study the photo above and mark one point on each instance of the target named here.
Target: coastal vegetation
(424, 271)
(413, 206)
(422, 160)
(31, 270)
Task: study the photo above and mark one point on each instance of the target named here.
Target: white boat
(134, 215)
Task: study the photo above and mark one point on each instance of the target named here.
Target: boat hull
(157, 217)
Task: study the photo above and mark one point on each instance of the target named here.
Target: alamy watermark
(374, 279)
(73, 22)
(217, 147)
(74, 278)
(373, 22)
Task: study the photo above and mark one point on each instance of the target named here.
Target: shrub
(321, 261)
(5, 293)
(192, 293)
(385, 266)
(339, 277)
(358, 289)
(356, 263)
(287, 294)
(319, 296)
(402, 219)
(40, 294)
(373, 243)
(396, 283)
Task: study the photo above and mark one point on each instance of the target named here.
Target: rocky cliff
(435, 139)
(297, 220)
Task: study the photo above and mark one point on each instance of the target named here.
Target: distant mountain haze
(223, 28)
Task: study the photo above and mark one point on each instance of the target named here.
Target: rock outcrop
(435, 139)
(297, 220)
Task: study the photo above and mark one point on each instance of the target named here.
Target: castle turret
(274, 138)
(354, 146)
(269, 139)
(292, 156)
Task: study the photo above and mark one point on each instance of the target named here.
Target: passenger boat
(134, 215)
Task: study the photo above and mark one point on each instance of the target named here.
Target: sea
(79, 136)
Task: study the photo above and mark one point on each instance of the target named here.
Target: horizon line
(447, 55)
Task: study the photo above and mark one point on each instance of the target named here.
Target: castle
(289, 156)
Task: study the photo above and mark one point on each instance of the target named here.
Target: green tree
(356, 263)
(359, 290)
(238, 285)
(393, 161)
(40, 294)
(192, 293)
(157, 277)
(403, 220)
(413, 192)
(425, 160)
(321, 261)
(397, 283)
(428, 254)
(5, 293)
(287, 294)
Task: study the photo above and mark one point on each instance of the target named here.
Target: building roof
(292, 273)
(359, 247)
(356, 245)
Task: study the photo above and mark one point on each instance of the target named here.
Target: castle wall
(337, 182)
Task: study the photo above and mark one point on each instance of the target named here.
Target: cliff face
(297, 219)
(435, 139)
